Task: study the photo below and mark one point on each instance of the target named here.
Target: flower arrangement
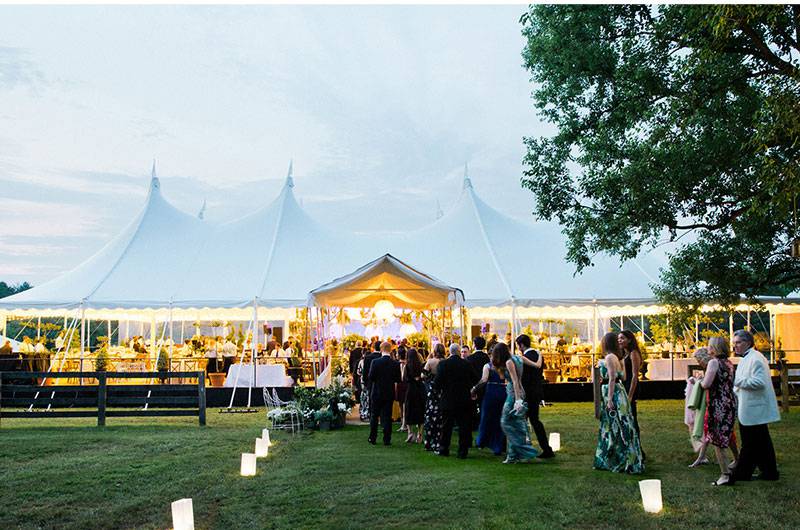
(336, 400)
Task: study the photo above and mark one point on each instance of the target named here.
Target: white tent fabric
(386, 278)
(275, 256)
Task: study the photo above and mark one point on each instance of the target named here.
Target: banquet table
(674, 369)
(266, 375)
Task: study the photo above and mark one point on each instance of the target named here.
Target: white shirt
(753, 387)
(229, 349)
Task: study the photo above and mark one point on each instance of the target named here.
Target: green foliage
(419, 340)
(163, 361)
(349, 341)
(671, 120)
(7, 289)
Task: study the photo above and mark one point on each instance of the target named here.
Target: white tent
(387, 279)
(169, 260)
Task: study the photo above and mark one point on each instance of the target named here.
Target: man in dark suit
(478, 360)
(455, 377)
(355, 356)
(384, 372)
(532, 381)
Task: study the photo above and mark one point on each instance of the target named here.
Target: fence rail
(169, 399)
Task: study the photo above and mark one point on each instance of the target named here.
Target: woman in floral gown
(433, 413)
(721, 409)
(618, 448)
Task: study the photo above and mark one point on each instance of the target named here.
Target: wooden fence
(142, 400)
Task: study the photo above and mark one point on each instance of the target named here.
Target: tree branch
(766, 54)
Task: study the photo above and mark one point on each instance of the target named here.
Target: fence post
(101, 399)
(201, 397)
(784, 378)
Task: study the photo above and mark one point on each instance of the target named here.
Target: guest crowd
(499, 395)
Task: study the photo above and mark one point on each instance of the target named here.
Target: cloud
(45, 248)
(25, 218)
(18, 71)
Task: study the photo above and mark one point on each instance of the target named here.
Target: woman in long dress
(514, 417)
(415, 396)
(363, 406)
(720, 415)
(632, 359)
(490, 433)
(433, 414)
(618, 448)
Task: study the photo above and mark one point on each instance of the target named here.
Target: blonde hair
(720, 345)
(702, 355)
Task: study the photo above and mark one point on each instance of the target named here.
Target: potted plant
(101, 361)
(324, 417)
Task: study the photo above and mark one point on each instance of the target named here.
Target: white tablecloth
(266, 375)
(659, 369)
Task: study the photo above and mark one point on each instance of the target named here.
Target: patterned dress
(618, 448)
(721, 411)
(433, 417)
(363, 409)
(515, 424)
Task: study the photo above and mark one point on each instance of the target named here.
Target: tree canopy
(673, 123)
(8, 290)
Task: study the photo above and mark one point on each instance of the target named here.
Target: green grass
(70, 474)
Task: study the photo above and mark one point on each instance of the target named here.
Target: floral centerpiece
(336, 399)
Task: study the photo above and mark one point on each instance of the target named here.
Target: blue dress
(515, 424)
(490, 434)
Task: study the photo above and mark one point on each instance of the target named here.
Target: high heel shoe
(699, 462)
(410, 438)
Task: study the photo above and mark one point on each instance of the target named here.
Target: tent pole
(748, 319)
(696, 330)
(38, 328)
(171, 342)
(83, 335)
(463, 331)
(642, 328)
(730, 327)
(513, 326)
(253, 345)
(4, 320)
(596, 333)
(153, 345)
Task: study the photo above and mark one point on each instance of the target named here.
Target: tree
(8, 290)
(673, 123)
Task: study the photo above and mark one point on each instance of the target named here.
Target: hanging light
(384, 309)
(262, 448)
(182, 515)
(265, 437)
(651, 495)
(555, 441)
(248, 468)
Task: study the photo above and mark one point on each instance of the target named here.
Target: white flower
(342, 407)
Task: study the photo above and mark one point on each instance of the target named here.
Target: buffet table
(266, 375)
(674, 369)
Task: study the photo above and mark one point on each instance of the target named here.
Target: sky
(379, 107)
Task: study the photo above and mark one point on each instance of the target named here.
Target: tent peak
(289, 177)
(467, 181)
(154, 182)
(202, 213)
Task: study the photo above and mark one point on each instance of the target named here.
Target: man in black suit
(384, 372)
(355, 357)
(455, 377)
(532, 381)
(478, 360)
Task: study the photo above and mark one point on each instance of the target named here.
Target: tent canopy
(387, 278)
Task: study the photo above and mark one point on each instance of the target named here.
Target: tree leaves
(671, 120)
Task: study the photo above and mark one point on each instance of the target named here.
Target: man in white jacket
(757, 408)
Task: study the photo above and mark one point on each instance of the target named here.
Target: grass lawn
(71, 474)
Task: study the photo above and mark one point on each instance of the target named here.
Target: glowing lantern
(183, 515)
(265, 437)
(555, 441)
(384, 310)
(262, 448)
(248, 468)
(651, 495)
